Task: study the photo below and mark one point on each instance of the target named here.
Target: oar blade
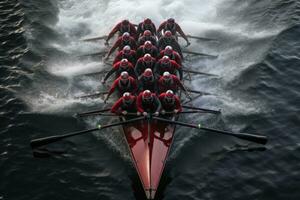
(260, 139)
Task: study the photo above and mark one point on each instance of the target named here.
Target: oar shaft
(202, 109)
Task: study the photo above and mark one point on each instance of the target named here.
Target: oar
(100, 53)
(92, 112)
(202, 109)
(91, 95)
(94, 73)
(197, 72)
(201, 38)
(48, 140)
(189, 112)
(198, 92)
(244, 136)
(199, 54)
(95, 38)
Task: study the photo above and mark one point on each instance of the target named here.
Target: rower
(124, 83)
(143, 63)
(171, 25)
(171, 82)
(166, 64)
(149, 48)
(170, 102)
(169, 40)
(147, 36)
(148, 102)
(147, 24)
(127, 53)
(147, 81)
(126, 104)
(122, 66)
(122, 41)
(122, 27)
(173, 55)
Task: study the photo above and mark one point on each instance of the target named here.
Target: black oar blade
(253, 138)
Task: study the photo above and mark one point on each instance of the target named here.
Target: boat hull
(149, 143)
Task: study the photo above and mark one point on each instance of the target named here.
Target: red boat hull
(149, 143)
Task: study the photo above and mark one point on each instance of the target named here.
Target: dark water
(259, 91)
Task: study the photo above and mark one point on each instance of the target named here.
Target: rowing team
(146, 79)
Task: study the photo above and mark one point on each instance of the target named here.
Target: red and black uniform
(118, 69)
(173, 27)
(143, 39)
(130, 56)
(124, 105)
(173, 56)
(169, 41)
(147, 24)
(170, 105)
(147, 83)
(172, 67)
(129, 86)
(141, 65)
(122, 28)
(173, 83)
(121, 43)
(142, 50)
(151, 106)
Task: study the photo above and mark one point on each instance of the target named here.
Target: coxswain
(170, 102)
(124, 83)
(147, 36)
(165, 64)
(169, 40)
(148, 102)
(147, 81)
(173, 55)
(147, 24)
(148, 47)
(127, 53)
(122, 27)
(171, 25)
(126, 104)
(171, 82)
(122, 66)
(147, 61)
(121, 42)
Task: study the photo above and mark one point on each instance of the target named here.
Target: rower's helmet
(124, 76)
(168, 34)
(125, 22)
(147, 58)
(127, 98)
(168, 50)
(165, 60)
(166, 76)
(124, 63)
(148, 45)
(147, 21)
(126, 36)
(147, 96)
(147, 33)
(171, 21)
(127, 49)
(148, 73)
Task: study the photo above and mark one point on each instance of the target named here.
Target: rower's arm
(116, 106)
(157, 101)
(139, 104)
(180, 31)
(161, 27)
(114, 47)
(113, 32)
(178, 104)
(113, 70)
(179, 69)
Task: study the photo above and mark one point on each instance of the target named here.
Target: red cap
(165, 60)
(147, 57)
(168, 50)
(168, 34)
(124, 63)
(124, 75)
(147, 95)
(169, 94)
(147, 21)
(148, 45)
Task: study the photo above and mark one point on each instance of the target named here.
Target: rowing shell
(149, 143)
